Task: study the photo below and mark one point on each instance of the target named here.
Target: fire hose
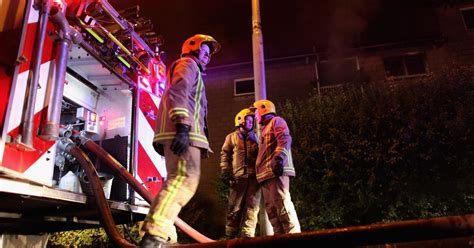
(116, 167)
(104, 209)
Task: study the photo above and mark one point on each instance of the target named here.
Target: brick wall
(287, 80)
(459, 45)
(284, 80)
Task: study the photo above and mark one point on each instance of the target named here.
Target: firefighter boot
(150, 241)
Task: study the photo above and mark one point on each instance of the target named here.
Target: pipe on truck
(44, 8)
(66, 35)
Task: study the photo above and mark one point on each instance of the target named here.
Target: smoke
(348, 22)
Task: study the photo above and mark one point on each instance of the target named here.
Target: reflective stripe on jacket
(184, 101)
(238, 156)
(275, 141)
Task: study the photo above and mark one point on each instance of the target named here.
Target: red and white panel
(151, 168)
(37, 164)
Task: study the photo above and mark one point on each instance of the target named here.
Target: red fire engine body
(71, 69)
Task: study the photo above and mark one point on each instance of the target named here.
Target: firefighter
(274, 167)
(238, 156)
(181, 136)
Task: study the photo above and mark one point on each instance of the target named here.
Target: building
(398, 46)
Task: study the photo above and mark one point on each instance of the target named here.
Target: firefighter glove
(227, 179)
(277, 166)
(181, 140)
(158, 148)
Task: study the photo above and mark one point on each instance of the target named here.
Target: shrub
(94, 237)
(384, 153)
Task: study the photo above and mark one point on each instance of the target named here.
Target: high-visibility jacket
(238, 154)
(184, 101)
(275, 141)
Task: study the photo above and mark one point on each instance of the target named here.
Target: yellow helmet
(264, 107)
(194, 43)
(240, 117)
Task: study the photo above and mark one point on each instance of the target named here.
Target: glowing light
(123, 61)
(92, 117)
(161, 72)
(102, 120)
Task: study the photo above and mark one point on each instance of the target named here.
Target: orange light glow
(92, 117)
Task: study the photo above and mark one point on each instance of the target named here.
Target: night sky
(289, 27)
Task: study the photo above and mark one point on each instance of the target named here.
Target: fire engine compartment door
(100, 103)
(92, 86)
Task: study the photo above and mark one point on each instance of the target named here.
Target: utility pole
(258, 59)
(260, 93)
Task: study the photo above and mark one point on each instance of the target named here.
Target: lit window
(405, 65)
(244, 86)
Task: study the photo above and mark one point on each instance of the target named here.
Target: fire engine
(80, 88)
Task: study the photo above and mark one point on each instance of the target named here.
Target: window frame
(242, 80)
(404, 63)
(461, 10)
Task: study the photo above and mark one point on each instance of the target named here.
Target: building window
(405, 65)
(468, 18)
(333, 72)
(244, 86)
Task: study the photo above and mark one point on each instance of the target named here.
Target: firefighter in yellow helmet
(181, 136)
(238, 156)
(274, 167)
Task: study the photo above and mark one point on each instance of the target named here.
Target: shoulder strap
(173, 66)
